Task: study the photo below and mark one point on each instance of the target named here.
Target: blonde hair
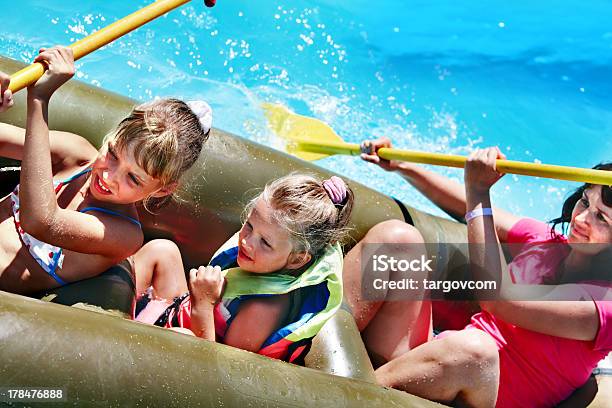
(301, 205)
(167, 138)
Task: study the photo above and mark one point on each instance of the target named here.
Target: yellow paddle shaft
(84, 46)
(451, 160)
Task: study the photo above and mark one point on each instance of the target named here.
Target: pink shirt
(536, 369)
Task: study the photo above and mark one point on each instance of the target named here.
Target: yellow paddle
(310, 139)
(31, 73)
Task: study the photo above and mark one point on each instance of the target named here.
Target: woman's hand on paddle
(369, 153)
(59, 62)
(206, 285)
(6, 96)
(480, 172)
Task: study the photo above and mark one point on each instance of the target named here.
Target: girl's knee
(394, 231)
(159, 264)
(475, 346)
(163, 246)
(478, 366)
(161, 250)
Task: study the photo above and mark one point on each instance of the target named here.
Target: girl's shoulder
(274, 307)
(69, 150)
(66, 170)
(126, 216)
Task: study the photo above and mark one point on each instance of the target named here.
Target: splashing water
(437, 77)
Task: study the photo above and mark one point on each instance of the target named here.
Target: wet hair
(302, 206)
(575, 196)
(167, 138)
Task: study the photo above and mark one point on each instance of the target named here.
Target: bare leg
(397, 328)
(389, 328)
(461, 369)
(158, 263)
(387, 232)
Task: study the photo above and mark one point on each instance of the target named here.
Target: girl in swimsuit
(515, 352)
(289, 265)
(55, 232)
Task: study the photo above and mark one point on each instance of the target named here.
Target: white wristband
(479, 212)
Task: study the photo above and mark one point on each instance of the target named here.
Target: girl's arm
(6, 96)
(40, 214)
(442, 191)
(67, 149)
(256, 320)
(574, 317)
(205, 289)
(203, 321)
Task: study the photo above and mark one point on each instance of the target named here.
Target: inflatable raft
(100, 358)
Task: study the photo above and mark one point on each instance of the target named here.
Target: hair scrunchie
(204, 113)
(336, 189)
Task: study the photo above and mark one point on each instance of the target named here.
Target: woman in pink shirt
(515, 352)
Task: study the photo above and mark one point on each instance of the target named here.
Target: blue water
(531, 77)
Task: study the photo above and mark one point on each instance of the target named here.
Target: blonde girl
(73, 214)
(272, 286)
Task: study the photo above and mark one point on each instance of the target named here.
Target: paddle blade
(292, 127)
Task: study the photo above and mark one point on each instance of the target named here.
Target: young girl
(74, 213)
(283, 281)
(515, 352)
